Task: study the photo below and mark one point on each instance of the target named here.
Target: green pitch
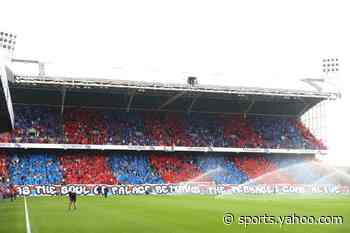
(168, 214)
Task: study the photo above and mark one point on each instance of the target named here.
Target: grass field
(168, 214)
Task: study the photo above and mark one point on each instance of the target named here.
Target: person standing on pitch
(72, 200)
(105, 191)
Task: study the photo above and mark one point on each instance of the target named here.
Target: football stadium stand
(112, 132)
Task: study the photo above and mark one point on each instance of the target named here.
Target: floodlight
(330, 65)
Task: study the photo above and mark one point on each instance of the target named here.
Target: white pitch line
(27, 216)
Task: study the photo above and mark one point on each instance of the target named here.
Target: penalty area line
(27, 216)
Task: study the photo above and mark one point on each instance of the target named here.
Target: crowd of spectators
(36, 125)
(5, 188)
(133, 169)
(84, 127)
(175, 169)
(3, 167)
(238, 133)
(86, 169)
(156, 168)
(5, 137)
(125, 128)
(313, 142)
(221, 169)
(34, 169)
(281, 133)
(261, 170)
(205, 130)
(166, 129)
(302, 169)
(94, 126)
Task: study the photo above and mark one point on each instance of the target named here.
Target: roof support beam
(249, 107)
(25, 61)
(130, 100)
(170, 100)
(189, 109)
(63, 100)
(304, 110)
(314, 82)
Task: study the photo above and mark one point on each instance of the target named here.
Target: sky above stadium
(268, 43)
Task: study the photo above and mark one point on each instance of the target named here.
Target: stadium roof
(139, 95)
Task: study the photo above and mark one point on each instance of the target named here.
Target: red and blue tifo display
(55, 172)
(137, 173)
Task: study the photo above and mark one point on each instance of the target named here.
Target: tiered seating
(36, 125)
(308, 136)
(87, 126)
(126, 128)
(177, 128)
(159, 132)
(86, 169)
(5, 137)
(3, 167)
(175, 169)
(303, 170)
(84, 127)
(35, 169)
(220, 169)
(238, 133)
(166, 130)
(261, 170)
(133, 169)
(279, 132)
(205, 130)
